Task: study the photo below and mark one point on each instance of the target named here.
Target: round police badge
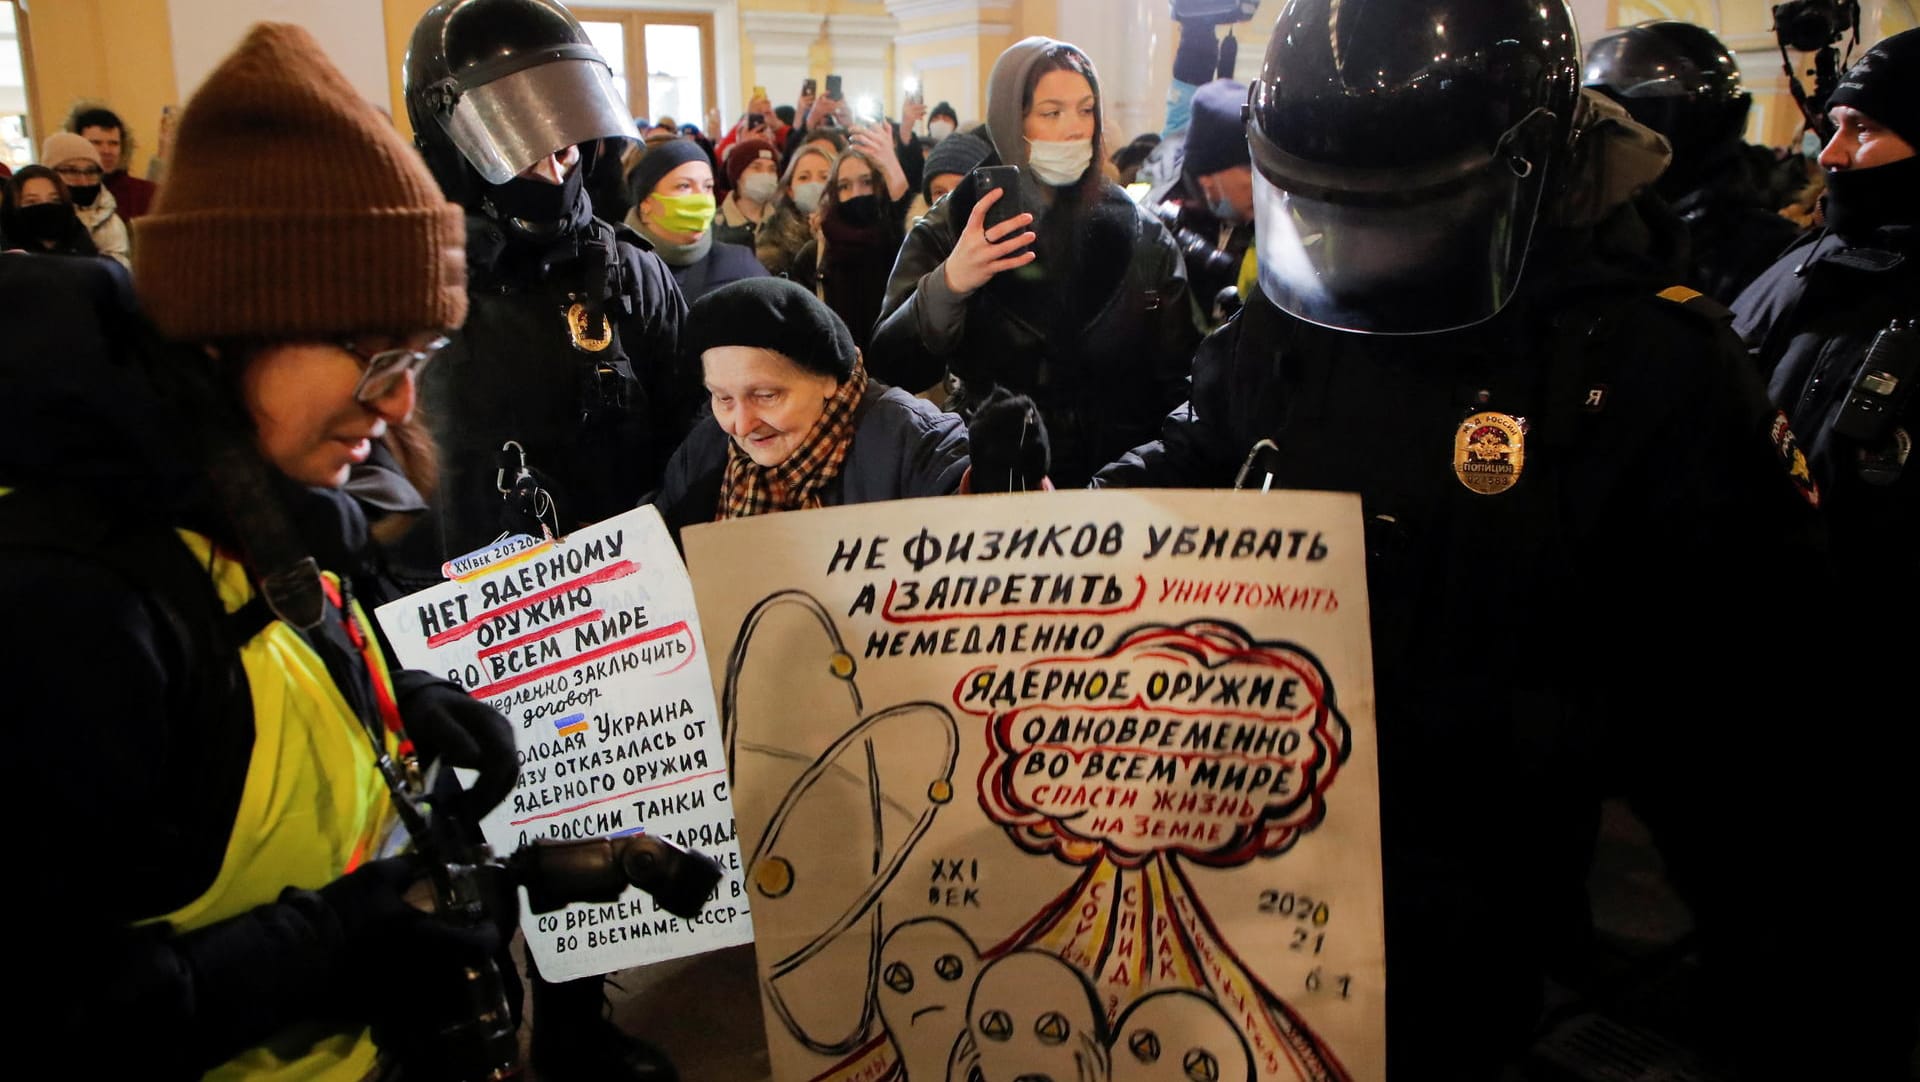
(578, 321)
(1490, 451)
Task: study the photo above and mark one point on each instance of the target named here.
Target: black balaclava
(41, 225)
(537, 202)
(860, 211)
(1885, 85)
(1862, 200)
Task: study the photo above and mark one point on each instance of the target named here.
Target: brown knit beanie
(244, 242)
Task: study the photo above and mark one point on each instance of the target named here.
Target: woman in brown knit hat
(170, 493)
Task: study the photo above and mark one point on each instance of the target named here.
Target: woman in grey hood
(1080, 301)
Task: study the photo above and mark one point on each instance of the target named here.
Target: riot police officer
(557, 405)
(1568, 484)
(569, 353)
(1679, 80)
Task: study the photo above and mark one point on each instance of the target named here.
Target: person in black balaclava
(1679, 80)
(558, 403)
(1834, 326)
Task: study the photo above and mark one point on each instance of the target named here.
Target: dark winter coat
(1732, 235)
(1517, 636)
(1808, 322)
(127, 654)
(1098, 329)
(902, 448)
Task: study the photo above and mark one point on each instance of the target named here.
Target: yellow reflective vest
(314, 807)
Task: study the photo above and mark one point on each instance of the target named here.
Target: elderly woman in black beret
(795, 421)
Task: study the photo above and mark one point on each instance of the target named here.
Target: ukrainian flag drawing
(572, 723)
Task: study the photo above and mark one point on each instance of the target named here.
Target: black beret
(775, 314)
(660, 161)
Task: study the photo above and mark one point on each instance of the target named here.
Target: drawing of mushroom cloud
(1194, 743)
(860, 787)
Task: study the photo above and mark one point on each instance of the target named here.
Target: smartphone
(833, 87)
(755, 122)
(809, 88)
(1006, 178)
(760, 94)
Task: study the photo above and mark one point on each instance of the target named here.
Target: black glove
(1007, 442)
(459, 730)
(402, 969)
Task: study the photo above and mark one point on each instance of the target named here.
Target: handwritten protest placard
(1065, 785)
(590, 645)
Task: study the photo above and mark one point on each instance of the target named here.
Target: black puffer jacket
(1098, 330)
(597, 424)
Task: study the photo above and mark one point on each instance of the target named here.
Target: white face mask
(807, 196)
(939, 129)
(1059, 164)
(759, 187)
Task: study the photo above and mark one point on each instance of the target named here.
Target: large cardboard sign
(1073, 785)
(591, 646)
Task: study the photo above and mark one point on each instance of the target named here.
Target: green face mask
(684, 213)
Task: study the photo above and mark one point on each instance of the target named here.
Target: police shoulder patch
(1788, 446)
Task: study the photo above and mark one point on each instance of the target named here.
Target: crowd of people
(243, 421)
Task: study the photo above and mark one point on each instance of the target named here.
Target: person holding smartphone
(1078, 299)
(758, 122)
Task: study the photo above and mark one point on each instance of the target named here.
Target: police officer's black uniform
(569, 350)
(1569, 489)
(557, 404)
(1682, 82)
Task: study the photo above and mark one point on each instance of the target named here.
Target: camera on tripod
(1811, 25)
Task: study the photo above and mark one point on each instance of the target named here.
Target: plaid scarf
(795, 484)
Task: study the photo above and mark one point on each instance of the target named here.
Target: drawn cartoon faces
(1179, 1037)
(927, 967)
(872, 781)
(1033, 1018)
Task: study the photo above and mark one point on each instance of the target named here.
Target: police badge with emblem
(1490, 452)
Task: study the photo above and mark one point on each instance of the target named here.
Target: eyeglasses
(385, 368)
(89, 172)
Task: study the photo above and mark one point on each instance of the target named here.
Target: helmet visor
(506, 125)
(1398, 250)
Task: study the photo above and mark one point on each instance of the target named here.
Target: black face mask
(1861, 200)
(536, 200)
(42, 223)
(84, 194)
(860, 211)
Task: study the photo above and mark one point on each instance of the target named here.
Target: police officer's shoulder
(630, 237)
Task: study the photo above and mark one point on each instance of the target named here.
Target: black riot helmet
(1676, 78)
(493, 86)
(1401, 150)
